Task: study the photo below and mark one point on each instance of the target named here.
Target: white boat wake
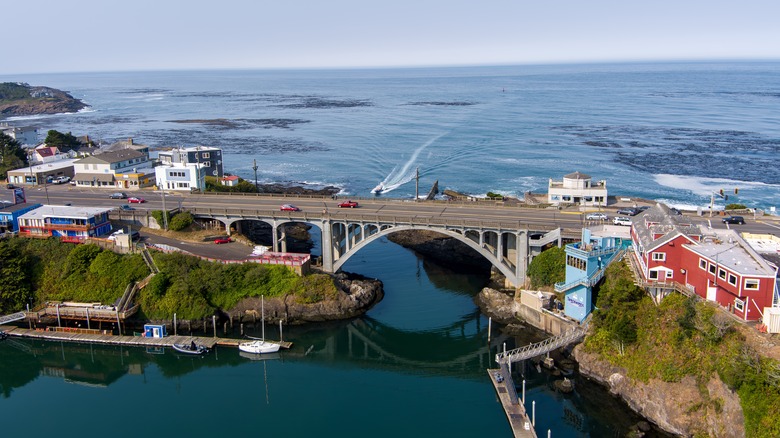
(398, 177)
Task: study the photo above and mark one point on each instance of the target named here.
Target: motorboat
(378, 189)
(191, 348)
(3, 335)
(259, 347)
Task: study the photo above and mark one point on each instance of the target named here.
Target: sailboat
(259, 346)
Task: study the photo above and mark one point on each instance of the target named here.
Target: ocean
(673, 132)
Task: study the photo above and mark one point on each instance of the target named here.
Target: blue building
(586, 262)
(9, 213)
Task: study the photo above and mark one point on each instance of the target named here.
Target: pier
(104, 337)
(522, 426)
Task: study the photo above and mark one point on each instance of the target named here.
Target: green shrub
(180, 221)
(735, 207)
(548, 268)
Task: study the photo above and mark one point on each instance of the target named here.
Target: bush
(548, 268)
(735, 207)
(180, 221)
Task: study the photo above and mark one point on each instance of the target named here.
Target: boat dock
(105, 337)
(522, 426)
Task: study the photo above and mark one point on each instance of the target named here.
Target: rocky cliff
(17, 99)
(444, 250)
(685, 408)
(358, 294)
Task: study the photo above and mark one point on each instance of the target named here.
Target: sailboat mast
(262, 310)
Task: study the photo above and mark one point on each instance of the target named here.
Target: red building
(718, 265)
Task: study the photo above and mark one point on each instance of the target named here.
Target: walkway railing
(12, 317)
(540, 348)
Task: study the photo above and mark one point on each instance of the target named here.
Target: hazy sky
(105, 35)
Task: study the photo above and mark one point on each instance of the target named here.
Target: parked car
(348, 204)
(629, 211)
(289, 207)
(10, 186)
(620, 220)
(734, 220)
(675, 211)
(596, 216)
(134, 235)
(61, 180)
(135, 200)
(118, 195)
(222, 239)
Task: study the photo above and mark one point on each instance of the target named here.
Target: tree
(548, 268)
(62, 141)
(12, 156)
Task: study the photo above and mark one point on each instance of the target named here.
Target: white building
(25, 135)
(121, 169)
(209, 158)
(179, 176)
(577, 188)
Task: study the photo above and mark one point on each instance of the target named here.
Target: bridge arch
(456, 234)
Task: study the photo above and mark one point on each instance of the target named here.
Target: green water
(413, 366)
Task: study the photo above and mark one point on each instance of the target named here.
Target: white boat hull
(258, 347)
(378, 189)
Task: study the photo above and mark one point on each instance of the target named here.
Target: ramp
(12, 317)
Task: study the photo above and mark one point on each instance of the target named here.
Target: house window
(206, 155)
(739, 305)
(703, 264)
(207, 164)
(722, 274)
(751, 283)
(659, 256)
(712, 269)
(732, 279)
(654, 275)
(669, 274)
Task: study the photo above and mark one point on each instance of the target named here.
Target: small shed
(155, 331)
(772, 319)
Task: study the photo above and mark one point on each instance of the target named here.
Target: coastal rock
(18, 99)
(682, 408)
(292, 189)
(497, 305)
(442, 249)
(358, 294)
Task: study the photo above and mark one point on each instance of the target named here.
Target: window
(659, 256)
(576, 263)
(654, 275)
(669, 274)
(732, 279)
(739, 305)
(207, 164)
(712, 269)
(722, 274)
(703, 264)
(751, 283)
(206, 155)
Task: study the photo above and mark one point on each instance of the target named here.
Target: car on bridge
(620, 220)
(348, 204)
(222, 239)
(630, 211)
(596, 216)
(289, 207)
(135, 200)
(118, 195)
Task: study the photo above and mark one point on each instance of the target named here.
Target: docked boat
(3, 335)
(378, 189)
(191, 348)
(258, 347)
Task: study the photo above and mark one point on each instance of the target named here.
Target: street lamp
(254, 167)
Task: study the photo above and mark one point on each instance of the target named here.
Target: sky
(49, 36)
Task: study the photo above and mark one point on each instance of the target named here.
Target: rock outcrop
(442, 249)
(17, 99)
(358, 294)
(497, 305)
(682, 408)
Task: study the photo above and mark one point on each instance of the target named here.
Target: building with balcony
(9, 213)
(125, 168)
(70, 224)
(180, 176)
(209, 159)
(577, 188)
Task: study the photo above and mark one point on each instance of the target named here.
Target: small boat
(3, 335)
(258, 347)
(378, 189)
(191, 348)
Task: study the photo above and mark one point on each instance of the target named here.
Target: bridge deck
(138, 341)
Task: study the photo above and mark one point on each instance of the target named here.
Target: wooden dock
(138, 341)
(515, 411)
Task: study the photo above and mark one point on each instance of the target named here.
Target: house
(46, 154)
(586, 262)
(577, 188)
(180, 176)
(70, 224)
(718, 265)
(209, 158)
(24, 135)
(40, 174)
(120, 169)
(9, 213)
(230, 180)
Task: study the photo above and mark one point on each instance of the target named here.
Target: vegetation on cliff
(12, 155)
(683, 337)
(19, 99)
(34, 271)
(548, 268)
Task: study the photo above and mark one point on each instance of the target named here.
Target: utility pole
(254, 167)
(165, 211)
(417, 186)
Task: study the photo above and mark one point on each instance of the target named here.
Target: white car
(622, 221)
(596, 216)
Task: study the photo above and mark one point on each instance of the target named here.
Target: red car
(289, 207)
(134, 200)
(223, 239)
(348, 204)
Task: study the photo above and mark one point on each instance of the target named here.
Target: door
(712, 293)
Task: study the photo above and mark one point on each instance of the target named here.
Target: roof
(48, 151)
(659, 220)
(11, 208)
(727, 249)
(230, 178)
(64, 211)
(577, 175)
(112, 157)
(47, 167)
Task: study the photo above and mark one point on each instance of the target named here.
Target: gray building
(209, 159)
